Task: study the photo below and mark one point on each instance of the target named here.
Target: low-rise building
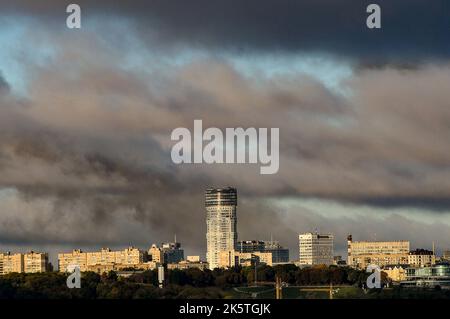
(396, 273)
(75, 258)
(105, 268)
(167, 253)
(338, 261)
(193, 259)
(229, 259)
(34, 262)
(184, 264)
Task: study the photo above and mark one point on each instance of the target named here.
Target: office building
(185, 264)
(279, 254)
(31, 262)
(428, 277)
(381, 253)
(338, 261)
(316, 249)
(221, 223)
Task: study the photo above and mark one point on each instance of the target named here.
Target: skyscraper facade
(221, 223)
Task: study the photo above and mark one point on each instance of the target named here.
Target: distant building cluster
(105, 260)
(223, 249)
(395, 258)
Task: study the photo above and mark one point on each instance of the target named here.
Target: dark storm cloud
(411, 30)
(85, 155)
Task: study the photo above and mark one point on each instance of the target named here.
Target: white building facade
(316, 249)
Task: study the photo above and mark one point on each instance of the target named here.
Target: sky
(86, 117)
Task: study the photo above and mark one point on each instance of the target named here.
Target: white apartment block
(316, 249)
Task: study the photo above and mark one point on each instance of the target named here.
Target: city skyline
(86, 117)
(222, 236)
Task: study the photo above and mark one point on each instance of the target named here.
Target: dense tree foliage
(190, 283)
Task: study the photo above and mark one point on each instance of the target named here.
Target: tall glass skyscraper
(221, 223)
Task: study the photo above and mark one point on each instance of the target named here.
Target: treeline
(190, 283)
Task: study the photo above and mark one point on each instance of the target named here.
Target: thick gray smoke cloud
(85, 153)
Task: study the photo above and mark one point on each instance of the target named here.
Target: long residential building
(221, 223)
(381, 253)
(84, 260)
(421, 257)
(279, 254)
(315, 249)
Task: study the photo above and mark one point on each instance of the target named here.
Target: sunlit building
(381, 253)
(32, 262)
(315, 249)
(421, 257)
(221, 223)
(185, 264)
(10, 263)
(229, 259)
